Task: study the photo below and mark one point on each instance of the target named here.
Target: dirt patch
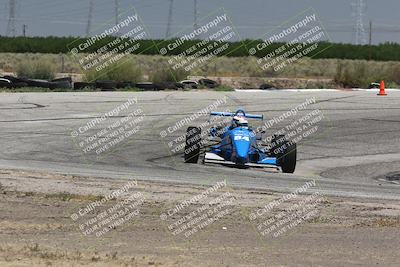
(36, 228)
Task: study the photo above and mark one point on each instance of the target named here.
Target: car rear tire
(192, 147)
(285, 153)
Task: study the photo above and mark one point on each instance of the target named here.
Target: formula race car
(238, 145)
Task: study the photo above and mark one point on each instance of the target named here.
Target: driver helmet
(240, 121)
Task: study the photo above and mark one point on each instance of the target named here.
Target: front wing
(266, 163)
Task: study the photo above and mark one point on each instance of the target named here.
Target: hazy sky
(251, 18)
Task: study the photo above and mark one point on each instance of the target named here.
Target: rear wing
(229, 114)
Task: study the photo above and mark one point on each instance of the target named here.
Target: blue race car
(240, 146)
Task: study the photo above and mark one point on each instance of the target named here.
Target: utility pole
(24, 30)
(90, 16)
(116, 12)
(195, 15)
(168, 32)
(370, 40)
(11, 19)
(370, 33)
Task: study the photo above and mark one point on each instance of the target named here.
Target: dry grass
(36, 69)
(345, 72)
(387, 222)
(126, 71)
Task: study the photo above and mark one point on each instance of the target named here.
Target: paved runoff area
(348, 141)
(98, 179)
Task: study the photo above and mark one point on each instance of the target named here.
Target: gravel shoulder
(36, 228)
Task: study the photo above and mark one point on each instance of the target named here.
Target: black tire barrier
(167, 85)
(38, 83)
(65, 79)
(5, 84)
(84, 85)
(121, 85)
(180, 85)
(19, 85)
(14, 79)
(208, 83)
(190, 85)
(106, 85)
(146, 86)
(266, 86)
(62, 84)
(160, 86)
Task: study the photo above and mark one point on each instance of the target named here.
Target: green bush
(38, 69)
(56, 45)
(126, 71)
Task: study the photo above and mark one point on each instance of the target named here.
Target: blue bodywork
(239, 144)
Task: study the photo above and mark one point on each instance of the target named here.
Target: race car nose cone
(242, 149)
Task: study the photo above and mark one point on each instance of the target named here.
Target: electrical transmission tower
(116, 12)
(359, 10)
(168, 32)
(90, 16)
(11, 18)
(195, 15)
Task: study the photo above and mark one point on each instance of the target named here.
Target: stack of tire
(14, 82)
(159, 86)
(108, 85)
(104, 85)
(208, 83)
(11, 82)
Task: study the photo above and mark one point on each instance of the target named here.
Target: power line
(11, 19)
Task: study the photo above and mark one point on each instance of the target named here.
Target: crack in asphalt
(35, 105)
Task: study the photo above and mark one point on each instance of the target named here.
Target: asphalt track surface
(355, 147)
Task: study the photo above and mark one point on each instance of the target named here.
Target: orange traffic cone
(382, 89)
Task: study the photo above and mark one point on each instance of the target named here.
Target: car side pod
(382, 89)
